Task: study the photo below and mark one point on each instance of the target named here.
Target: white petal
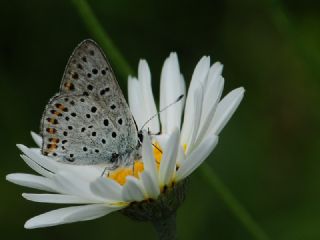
(36, 156)
(213, 88)
(55, 198)
(135, 101)
(69, 215)
(150, 167)
(196, 157)
(32, 181)
(107, 189)
(192, 122)
(150, 109)
(36, 167)
(168, 162)
(132, 190)
(161, 139)
(171, 87)
(69, 182)
(37, 139)
(225, 110)
(151, 190)
(87, 173)
(200, 72)
(215, 71)
(182, 87)
(180, 155)
(199, 78)
(211, 98)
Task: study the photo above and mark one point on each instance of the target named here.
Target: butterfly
(89, 122)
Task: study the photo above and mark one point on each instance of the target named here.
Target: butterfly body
(89, 121)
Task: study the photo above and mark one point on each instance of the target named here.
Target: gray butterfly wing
(89, 121)
(88, 71)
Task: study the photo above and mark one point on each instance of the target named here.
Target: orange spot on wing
(51, 130)
(54, 140)
(50, 148)
(60, 107)
(52, 120)
(69, 86)
(54, 112)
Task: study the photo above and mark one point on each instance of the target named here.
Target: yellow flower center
(120, 174)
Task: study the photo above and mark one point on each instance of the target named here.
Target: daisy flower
(171, 150)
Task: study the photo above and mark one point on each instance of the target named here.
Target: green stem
(235, 207)
(124, 69)
(97, 31)
(166, 228)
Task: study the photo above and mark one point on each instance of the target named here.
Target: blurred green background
(269, 153)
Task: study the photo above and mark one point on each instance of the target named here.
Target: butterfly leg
(109, 168)
(133, 168)
(104, 171)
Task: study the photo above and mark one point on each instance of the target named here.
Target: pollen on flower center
(120, 174)
(157, 152)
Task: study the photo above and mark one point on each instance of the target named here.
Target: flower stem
(166, 228)
(95, 28)
(233, 204)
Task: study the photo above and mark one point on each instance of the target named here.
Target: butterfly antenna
(161, 110)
